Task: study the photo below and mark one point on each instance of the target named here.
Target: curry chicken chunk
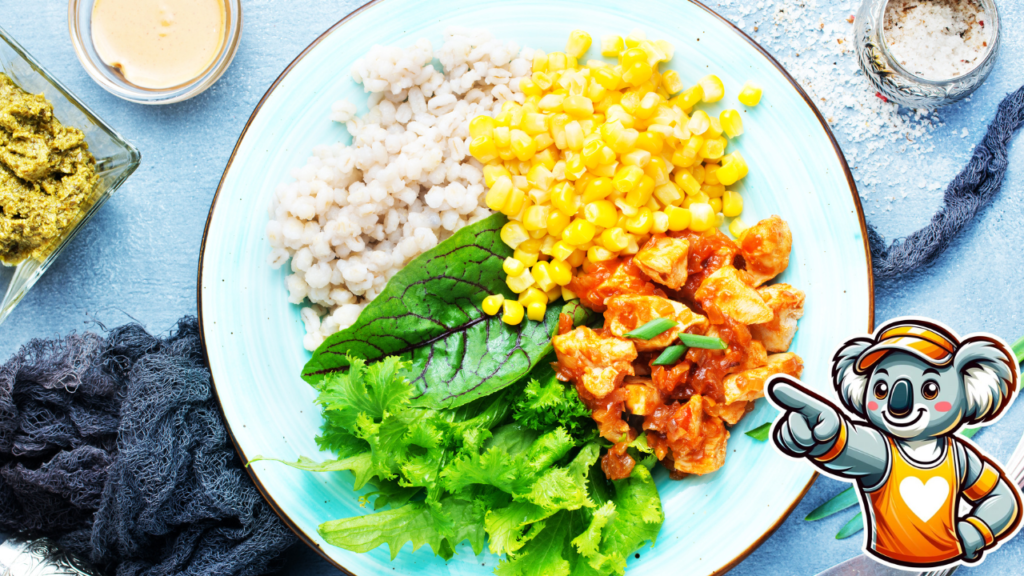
(706, 285)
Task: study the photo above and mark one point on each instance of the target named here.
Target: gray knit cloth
(971, 190)
(115, 446)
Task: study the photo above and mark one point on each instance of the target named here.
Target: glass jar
(116, 159)
(901, 86)
(80, 27)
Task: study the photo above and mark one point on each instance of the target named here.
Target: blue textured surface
(138, 257)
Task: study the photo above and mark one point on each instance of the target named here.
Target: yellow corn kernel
(577, 258)
(699, 122)
(578, 106)
(657, 169)
(660, 223)
(520, 181)
(686, 181)
(734, 168)
(540, 61)
(557, 221)
(641, 223)
(506, 153)
(568, 295)
(536, 311)
(522, 145)
(630, 101)
(638, 158)
(512, 312)
(732, 123)
(689, 153)
(716, 205)
(702, 217)
(534, 124)
(699, 198)
(635, 37)
(597, 254)
(578, 44)
(711, 173)
(542, 276)
(632, 56)
(668, 194)
(560, 271)
(618, 113)
(614, 239)
(605, 169)
(737, 227)
(698, 173)
(536, 218)
(499, 193)
(492, 304)
(502, 136)
(578, 232)
(611, 46)
(712, 190)
(608, 78)
(534, 234)
(539, 176)
(481, 126)
(713, 148)
(519, 283)
(515, 203)
(622, 141)
(573, 136)
(483, 148)
(719, 219)
(557, 61)
(627, 178)
(532, 246)
(529, 87)
(637, 74)
(671, 82)
(575, 167)
(648, 105)
(750, 94)
(545, 157)
(652, 142)
(512, 267)
(597, 189)
(562, 251)
(533, 293)
(543, 79)
(526, 258)
(713, 88)
(513, 234)
(494, 171)
(732, 204)
(596, 92)
(639, 196)
(688, 98)
(678, 218)
(600, 213)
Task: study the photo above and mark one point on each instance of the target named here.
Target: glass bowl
(80, 26)
(115, 161)
(903, 87)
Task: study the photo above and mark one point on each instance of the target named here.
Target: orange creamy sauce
(159, 44)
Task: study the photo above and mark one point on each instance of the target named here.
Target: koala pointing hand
(810, 425)
(909, 387)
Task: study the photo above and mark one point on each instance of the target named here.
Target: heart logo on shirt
(924, 499)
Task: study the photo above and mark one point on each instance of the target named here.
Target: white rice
(355, 215)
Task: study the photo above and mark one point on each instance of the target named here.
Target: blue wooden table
(137, 259)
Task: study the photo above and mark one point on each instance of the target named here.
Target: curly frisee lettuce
(517, 468)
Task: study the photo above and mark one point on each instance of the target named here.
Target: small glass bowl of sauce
(155, 51)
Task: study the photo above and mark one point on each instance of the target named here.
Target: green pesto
(46, 175)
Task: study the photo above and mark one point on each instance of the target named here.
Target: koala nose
(901, 398)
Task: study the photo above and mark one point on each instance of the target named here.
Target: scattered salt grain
(936, 39)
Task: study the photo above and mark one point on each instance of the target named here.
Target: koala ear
(850, 386)
(988, 371)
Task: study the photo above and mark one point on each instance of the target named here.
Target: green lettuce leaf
(430, 315)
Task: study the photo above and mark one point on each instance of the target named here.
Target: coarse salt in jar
(927, 53)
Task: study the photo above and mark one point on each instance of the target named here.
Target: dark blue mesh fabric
(115, 447)
(968, 193)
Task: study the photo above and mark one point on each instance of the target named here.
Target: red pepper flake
(982, 22)
(884, 99)
(850, 19)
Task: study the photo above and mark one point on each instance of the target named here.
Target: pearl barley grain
(356, 214)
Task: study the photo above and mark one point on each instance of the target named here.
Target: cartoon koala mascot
(916, 383)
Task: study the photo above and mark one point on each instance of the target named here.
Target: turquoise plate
(253, 336)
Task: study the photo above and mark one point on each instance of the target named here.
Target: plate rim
(852, 186)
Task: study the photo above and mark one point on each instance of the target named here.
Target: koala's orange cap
(924, 341)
